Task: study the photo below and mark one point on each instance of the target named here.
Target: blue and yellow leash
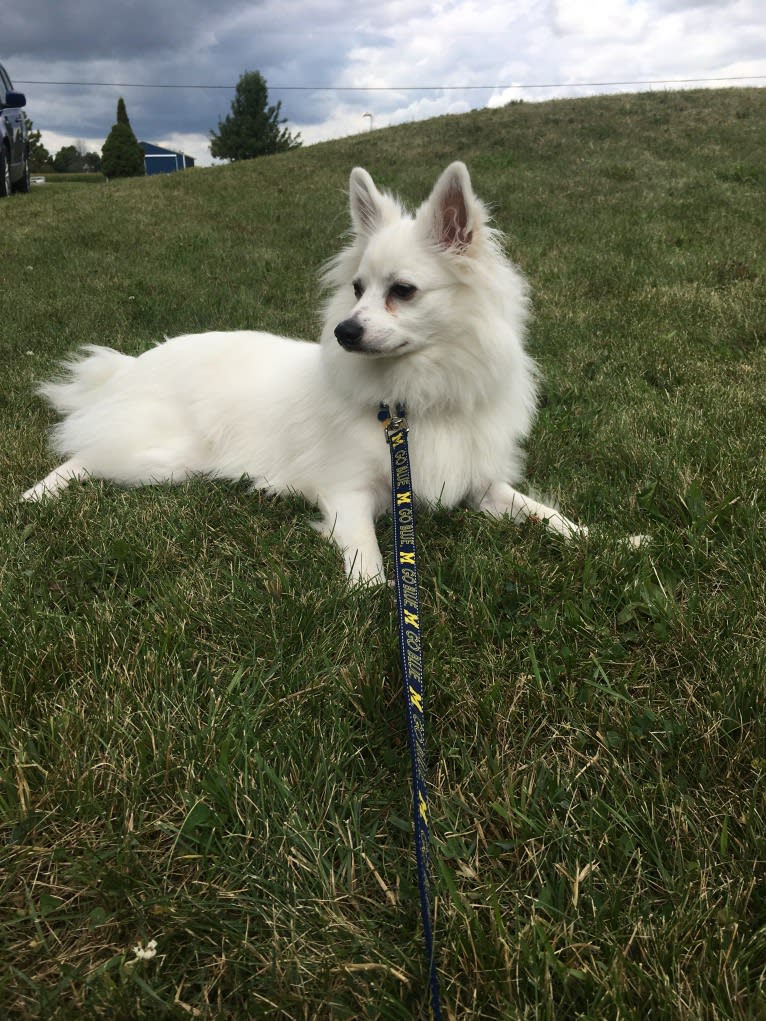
(411, 649)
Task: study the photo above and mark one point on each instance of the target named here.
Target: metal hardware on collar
(411, 652)
(393, 423)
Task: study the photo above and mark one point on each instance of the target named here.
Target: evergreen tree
(122, 156)
(253, 128)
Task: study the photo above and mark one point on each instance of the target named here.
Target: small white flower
(145, 953)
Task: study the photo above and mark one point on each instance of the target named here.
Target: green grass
(201, 732)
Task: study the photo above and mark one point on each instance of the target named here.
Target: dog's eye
(358, 289)
(402, 291)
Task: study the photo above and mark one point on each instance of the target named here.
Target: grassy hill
(201, 733)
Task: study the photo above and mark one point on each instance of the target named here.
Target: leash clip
(393, 424)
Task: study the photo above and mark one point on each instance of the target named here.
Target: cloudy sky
(416, 58)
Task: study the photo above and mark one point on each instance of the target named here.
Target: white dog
(423, 311)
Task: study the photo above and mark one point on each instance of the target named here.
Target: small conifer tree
(121, 155)
(253, 128)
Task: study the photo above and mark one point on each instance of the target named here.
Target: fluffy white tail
(83, 377)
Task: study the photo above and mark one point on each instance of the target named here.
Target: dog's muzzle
(349, 334)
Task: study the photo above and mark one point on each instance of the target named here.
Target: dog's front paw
(367, 579)
(638, 541)
(35, 494)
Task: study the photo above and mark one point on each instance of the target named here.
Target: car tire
(5, 173)
(25, 183)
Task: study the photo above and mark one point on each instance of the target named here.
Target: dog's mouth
(350, 336)
(374, 352)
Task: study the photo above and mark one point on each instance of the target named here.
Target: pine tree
(122, 156)
(253, 128)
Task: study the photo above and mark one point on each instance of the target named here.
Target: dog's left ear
(370, 209)
(452, 214)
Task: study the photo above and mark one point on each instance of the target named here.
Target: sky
(342, 68)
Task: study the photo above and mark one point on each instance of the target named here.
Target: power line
(407, 88)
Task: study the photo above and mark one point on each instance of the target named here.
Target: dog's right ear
(452, 215)
(369, 208)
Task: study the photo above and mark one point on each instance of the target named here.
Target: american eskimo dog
(423, 311)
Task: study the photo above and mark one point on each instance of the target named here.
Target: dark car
(14, 143)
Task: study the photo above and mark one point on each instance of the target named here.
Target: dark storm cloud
(88, 30)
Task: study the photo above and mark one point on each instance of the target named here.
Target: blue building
(163, 161)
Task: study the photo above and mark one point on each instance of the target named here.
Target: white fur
(295, 416)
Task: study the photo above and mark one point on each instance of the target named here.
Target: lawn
(202, 738)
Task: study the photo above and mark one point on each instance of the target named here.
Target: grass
(201, 731)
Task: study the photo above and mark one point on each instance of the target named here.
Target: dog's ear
(452, 213)
(369, 208)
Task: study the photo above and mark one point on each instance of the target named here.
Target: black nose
(349, 333)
